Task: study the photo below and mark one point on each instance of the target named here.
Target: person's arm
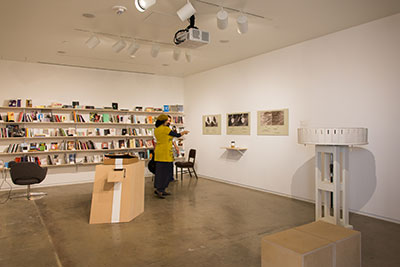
(175, 134)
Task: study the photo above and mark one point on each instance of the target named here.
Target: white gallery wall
(45, 84)
(347, 79)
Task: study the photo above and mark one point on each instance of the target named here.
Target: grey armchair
(27, 173)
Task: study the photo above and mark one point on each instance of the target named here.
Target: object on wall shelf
(240, 150)
(332, 169)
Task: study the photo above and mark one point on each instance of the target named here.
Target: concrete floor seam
(48, 235)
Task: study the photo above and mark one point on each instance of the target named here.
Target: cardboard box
(294, 248)
(346, 242)
(118, 191)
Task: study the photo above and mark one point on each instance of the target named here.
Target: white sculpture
(332, 169)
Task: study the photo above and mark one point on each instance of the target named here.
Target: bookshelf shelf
(87, 123)
(75, 137)
(38, 123)
(88, 110)
(73, 151)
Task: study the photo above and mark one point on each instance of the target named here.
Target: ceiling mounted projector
(193, 38)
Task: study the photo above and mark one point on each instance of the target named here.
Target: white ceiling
(55, 32)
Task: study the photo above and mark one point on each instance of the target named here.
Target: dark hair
(159, 123)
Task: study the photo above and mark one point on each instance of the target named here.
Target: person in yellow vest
(163, 154)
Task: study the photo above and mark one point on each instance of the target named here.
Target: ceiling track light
(222, 19)
(154, 50)
(133, 48)
(142, 5)
(188, 56)
(118, 46)
(186, 11)
(176, 54)
(242, 24)
(92, 42)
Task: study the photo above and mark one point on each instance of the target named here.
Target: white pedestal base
(331, 184)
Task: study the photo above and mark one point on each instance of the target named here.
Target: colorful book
(106, 117)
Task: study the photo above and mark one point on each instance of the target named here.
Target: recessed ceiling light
(132, 56)
(88, 15)
(224, 41)
(61, 52)
(119, 9)
(165, 65)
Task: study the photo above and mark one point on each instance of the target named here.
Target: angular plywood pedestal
(346, 242)
(293, 248)
(118, 191)
(317, 244)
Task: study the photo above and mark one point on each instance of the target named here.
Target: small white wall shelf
(332, 169)
(240, 150)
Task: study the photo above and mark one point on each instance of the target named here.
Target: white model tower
(332, 169)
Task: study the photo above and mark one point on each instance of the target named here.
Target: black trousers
(164, 172)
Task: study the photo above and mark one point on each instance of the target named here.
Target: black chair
(189, 164)
(27, 173)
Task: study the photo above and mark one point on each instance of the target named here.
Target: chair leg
(195, 173)
(181, 174)
(28, 192)
(176, 172)
(28, 195)
(189, 173)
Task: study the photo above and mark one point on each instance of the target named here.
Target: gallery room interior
(246, 78)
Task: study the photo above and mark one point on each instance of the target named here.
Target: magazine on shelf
(54, 146)
(104, 145)
(70, 145)
(121, 144)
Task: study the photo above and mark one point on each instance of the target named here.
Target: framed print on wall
(212, 124)
(273, 122)
(238, 123)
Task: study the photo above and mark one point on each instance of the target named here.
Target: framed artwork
(238, 123)
(212, 124)
(273, 122)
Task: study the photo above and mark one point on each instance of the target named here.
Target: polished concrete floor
(204, 223)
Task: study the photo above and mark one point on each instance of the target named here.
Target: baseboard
(297, 198)
(6, 187)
